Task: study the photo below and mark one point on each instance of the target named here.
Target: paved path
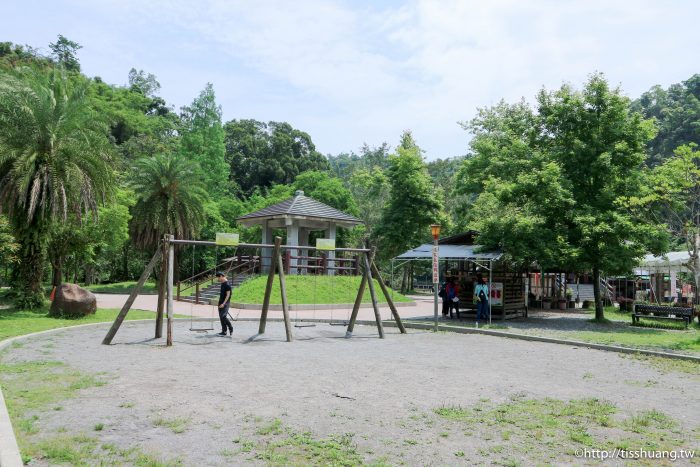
(423, 307)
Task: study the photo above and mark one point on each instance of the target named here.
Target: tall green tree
(413, 204)
(674, 195)
(55, 159)
(676, 111)
(555, 185)
(265, 154)
(8, 248)
(202, 141)
(170, 199)
(65, 51)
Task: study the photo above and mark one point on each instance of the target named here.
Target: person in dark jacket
(224, 301)
(450, 294)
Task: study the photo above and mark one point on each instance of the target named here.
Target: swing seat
(342, 323)
(308, 325)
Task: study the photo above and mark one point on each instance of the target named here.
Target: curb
(318, 307)
(549, 340)
(9, 451)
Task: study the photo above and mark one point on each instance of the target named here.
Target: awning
(675, 261)
(463, 252)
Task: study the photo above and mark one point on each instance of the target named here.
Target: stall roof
(468, 252)
(676, 261)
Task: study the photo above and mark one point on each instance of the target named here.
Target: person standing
(481, 293)
(224, 301)
(452, 296)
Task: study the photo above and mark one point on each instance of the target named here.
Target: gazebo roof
(300, 207)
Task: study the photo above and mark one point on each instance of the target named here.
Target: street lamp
(435, 230)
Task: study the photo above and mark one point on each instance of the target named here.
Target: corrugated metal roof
(425, 251)
(301, 205)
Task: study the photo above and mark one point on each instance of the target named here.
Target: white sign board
(496, 293)
(325, 244)
(227, 239)
(436, 264)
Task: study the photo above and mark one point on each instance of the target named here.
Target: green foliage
(676, 111)
(54, 160)
(65, 52)
(170, 199)
(556, 185)
(412, 206)
(264, 154)
(8, 245)
(202, 141)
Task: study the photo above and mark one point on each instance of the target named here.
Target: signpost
(435, 230)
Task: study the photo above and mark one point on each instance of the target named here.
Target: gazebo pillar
(266, 253)
(331, 254)
(304, 241)
(293, 240)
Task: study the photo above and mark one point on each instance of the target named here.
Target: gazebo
(299, 215)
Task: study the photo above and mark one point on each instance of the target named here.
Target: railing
(320, 264)
(247, 264)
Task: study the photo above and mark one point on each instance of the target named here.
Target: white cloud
(348, 72)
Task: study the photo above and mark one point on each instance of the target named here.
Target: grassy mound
(309, 290)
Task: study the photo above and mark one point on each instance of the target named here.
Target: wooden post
(389, 301)
(268, 288)
(161, 291)
(356, 306)
(171, 270)
(130, 301)
(283, 293)
(373, 295)
(196, 293)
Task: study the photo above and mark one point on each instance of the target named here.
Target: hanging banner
(436, 264)
(227, 239)
(326, 244)
(496, 293)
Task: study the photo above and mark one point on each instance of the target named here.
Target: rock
(72, 301)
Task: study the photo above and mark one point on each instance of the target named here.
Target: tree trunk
(599, 313)
(125, 263)
(29, 273)
(404, 279)
(57, 272)
(696, 266)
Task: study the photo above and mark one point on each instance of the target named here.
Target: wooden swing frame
(165, 253)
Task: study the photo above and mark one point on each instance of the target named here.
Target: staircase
(212, 291)
(582, 291)
(202, 287)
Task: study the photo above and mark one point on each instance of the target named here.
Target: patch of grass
(99, 427)
(177, 425)
(85, 450)
(310, 289)
(533, 427)
(127, 405)
(303, 449)
(273, 428)
(14, 322)
(149, 288)
(668, 365)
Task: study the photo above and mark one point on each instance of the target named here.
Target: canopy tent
(675, 261)
(463, 252)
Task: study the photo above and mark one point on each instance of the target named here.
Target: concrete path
(424, 307)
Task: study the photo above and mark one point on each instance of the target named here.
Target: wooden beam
(283, 293)
(132, 296)
(161, 292)
(390, 302)
(356, 306)
(171, 270)
(373, 294)
(268, 288)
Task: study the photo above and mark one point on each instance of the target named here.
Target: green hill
(309, 289)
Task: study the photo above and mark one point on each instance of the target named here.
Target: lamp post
(435, 230)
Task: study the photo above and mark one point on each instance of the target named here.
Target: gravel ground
(384, 392)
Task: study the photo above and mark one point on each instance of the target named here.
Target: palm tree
(54, 160)
(170, 199)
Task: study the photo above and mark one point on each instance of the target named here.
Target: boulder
(72, 301)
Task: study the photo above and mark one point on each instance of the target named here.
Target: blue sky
(354, 72)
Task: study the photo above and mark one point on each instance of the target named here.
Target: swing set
(165, 254)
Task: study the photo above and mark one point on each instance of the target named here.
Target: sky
(355, 72)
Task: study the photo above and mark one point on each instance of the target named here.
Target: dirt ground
(211, 400)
